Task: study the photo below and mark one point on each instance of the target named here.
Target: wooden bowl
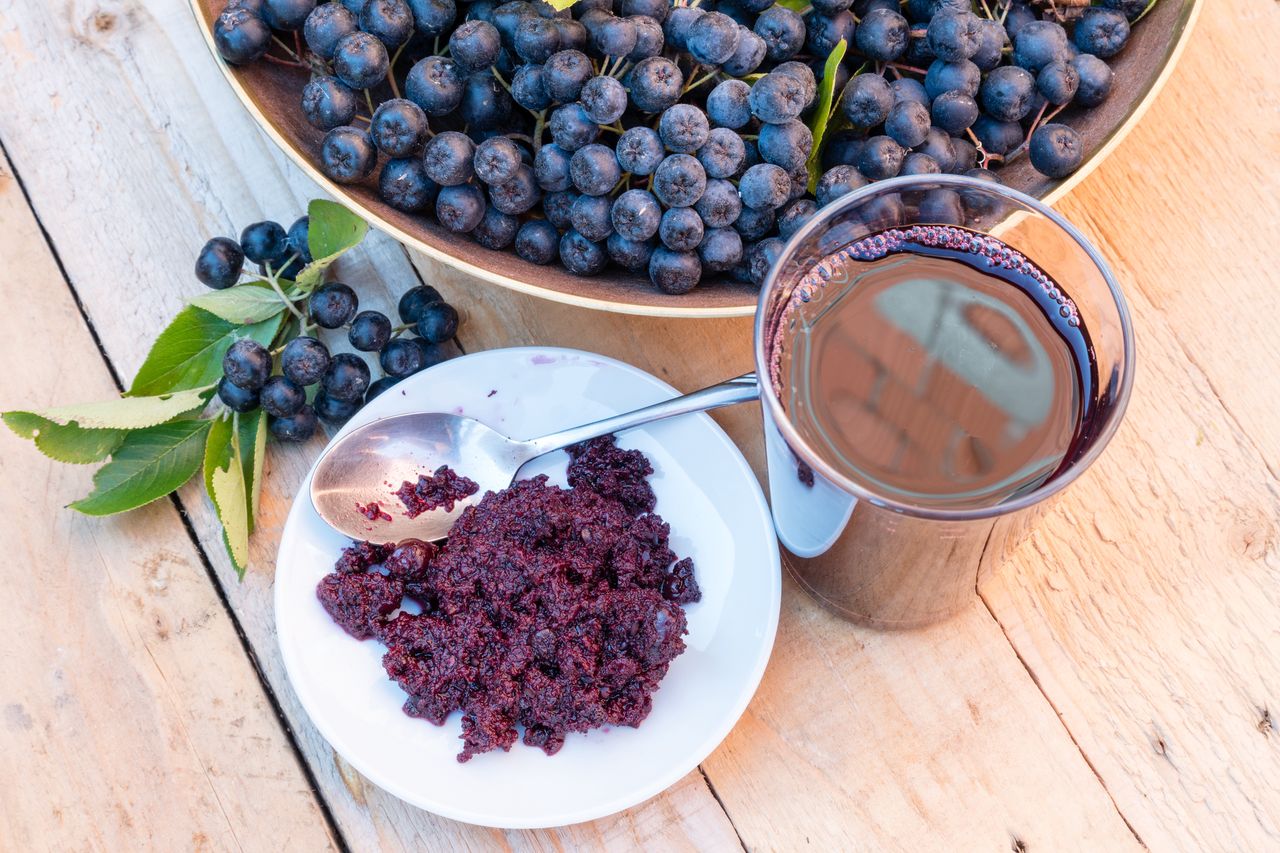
(271, 94)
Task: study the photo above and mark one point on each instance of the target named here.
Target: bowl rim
(1183, 28)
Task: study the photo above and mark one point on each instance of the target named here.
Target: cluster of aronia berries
(668, 138)
(252, 376)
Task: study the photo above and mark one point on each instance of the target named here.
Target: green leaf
(800, 6)
(251, 302)
(188, 353)
(233, 511)
(130, 412)
(217, 449)
(1150, 5)
(149, 464)
(253, 454)
(561, 5)
(331, 230)
(821, 115)
(65, 442)
(225, 480)
(233, 459)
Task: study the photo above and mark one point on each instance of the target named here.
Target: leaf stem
(1151, 5)
(274, 280)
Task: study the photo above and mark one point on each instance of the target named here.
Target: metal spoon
(368, 463)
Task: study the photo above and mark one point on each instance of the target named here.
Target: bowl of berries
(651, 157)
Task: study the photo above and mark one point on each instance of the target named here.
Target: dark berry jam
(603, 467)
(373, 511)
(444, 488)
(548, 611)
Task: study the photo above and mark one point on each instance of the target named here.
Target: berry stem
(1040, 120)
(493, 69)
(278, 61)
(273, 279)
(368, 99)
(391, 79)
(539, 123)
(982, 152)
(987, 9)
(898, 66)
(693, 72)
(296, 58)
(695, 84)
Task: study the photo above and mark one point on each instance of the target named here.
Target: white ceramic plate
(718, 516)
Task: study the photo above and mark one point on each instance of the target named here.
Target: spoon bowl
(368, 464)
(371, 463)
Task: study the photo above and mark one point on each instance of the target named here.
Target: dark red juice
(935, 366)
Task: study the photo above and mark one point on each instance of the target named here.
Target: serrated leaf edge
(79, 505)
(35, 435)
(176, 403)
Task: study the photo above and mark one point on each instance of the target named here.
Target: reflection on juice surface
(935, 366)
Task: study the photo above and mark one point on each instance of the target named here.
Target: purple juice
(935, 366)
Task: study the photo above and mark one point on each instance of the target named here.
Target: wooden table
(1115, 686)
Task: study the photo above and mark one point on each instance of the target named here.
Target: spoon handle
(740, 390)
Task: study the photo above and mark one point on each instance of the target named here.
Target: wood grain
(1123, 668)
(125, 695)
(1147, 607)
(855, 737)
(134, 76)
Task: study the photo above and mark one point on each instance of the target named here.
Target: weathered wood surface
(130, 717)
(1114, 683)
(1148, 607)
(154, 155)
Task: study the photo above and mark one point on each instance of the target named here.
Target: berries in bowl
(531, 146)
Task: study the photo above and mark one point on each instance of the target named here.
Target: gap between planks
(1035, 679)
(245, 645)
(181, 510)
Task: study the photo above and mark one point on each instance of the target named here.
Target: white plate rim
(659, 782)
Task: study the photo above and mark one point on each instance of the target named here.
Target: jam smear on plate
(549, 610)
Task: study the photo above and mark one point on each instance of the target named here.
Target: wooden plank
(1147, 605)
(125, 695)
(931, 739)
(142, 81)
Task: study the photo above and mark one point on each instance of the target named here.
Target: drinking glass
(878, 558)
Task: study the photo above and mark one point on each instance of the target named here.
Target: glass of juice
(938, 355)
